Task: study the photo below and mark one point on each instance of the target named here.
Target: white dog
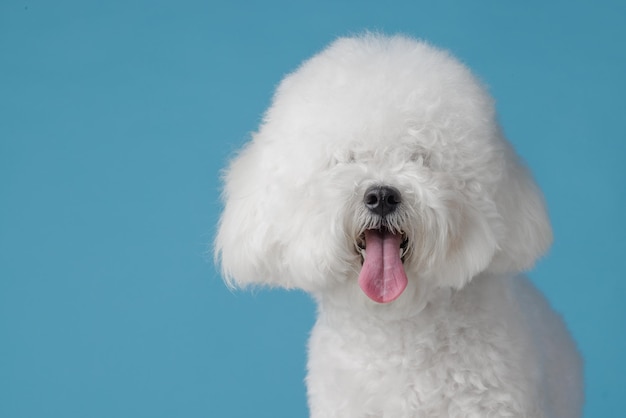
(381, 183)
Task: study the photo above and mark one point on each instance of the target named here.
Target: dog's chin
(382, 277)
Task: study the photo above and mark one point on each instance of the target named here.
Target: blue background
(115, 119)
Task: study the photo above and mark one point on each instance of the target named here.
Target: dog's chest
(404, 368)
(391, 368)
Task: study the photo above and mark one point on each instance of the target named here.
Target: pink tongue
(382, 276)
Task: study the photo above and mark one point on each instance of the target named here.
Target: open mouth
(382, 277)
(361, 245)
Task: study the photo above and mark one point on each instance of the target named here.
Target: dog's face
(379, 165)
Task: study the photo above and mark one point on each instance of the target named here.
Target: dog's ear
(470, 248)
(271, 231)
(526, 234)
(504, 235)
(246, 241)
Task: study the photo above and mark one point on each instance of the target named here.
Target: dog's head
(379, 163)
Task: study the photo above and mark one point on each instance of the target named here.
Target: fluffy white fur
(468, 337)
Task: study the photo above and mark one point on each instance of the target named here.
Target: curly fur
(468, 337)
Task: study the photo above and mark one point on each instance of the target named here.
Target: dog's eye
(344, 158)
(417, 157)
(420, 158)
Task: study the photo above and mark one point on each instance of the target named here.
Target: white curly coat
(468, 337)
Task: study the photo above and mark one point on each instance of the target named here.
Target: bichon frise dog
(381, 183)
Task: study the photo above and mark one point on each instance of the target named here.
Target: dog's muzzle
(382, 277)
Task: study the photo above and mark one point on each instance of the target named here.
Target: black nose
(381, 200)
